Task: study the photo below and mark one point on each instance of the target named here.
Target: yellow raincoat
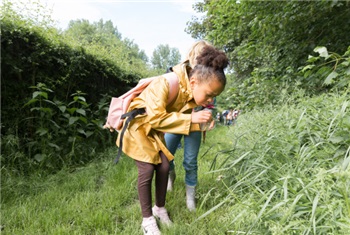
(144, 137)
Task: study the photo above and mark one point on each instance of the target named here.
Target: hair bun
(212, 57)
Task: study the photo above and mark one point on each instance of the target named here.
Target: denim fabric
(192, 143)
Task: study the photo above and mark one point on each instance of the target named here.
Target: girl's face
(204, 93)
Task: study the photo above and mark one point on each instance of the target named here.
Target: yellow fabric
(144, 137)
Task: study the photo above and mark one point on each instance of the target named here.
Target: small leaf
(50, 102)
(72, 120)
(44, 94)
(345, 63)
(330, 77)
(338, 153)
(83, 119)
(62, 108)
(30, 102)
(82, 98)
(54, 146)
(71, 110)
(62, 131)
(41, 131)
(40, 93)
(310, 66)
(46, 110)
(347, 72)
(81, 111)
(39, 157)
(35, 108)
(322, 51)
(81, 131)
(336, 139)
(35, 94)
(89, 133)
(312, 59)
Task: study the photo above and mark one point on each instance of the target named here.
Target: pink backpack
(119, 105)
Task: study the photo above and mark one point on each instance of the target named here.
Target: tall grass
(279, 170)
(289, 171)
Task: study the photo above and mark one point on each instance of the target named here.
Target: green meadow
(278, 170)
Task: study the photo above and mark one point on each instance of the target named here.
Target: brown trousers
(144, 184)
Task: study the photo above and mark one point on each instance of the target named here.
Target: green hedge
(39, 67)
(29, 57)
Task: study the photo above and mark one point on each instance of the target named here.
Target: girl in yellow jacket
(143, 139)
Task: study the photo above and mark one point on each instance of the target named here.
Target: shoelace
(151, 228)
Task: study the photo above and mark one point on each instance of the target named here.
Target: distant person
(192, 141)
(229, 117)
(144, 136)
(218, 117)
(235, 115)
(224, 116)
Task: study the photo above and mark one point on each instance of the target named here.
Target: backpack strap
(173, 86)
(173, 91)
(129, 116)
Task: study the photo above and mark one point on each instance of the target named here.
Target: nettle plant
(328, 70)
(62, 133)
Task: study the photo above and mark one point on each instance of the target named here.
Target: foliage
(272, 33)
(287, 171)
(101, 38)
(327, 71)
(279, 170)
(165, 57)
(34, 55)
(57, 133)
(268, 41)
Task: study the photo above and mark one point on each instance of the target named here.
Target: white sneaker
(162, 214)
(190, 198)
(149, 226)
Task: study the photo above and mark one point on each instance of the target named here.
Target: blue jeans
(192, 143)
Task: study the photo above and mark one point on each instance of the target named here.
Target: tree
(165, 57)
(103, 38)
(107, 28)
(268, 41)
(277, 34)
(81, 30)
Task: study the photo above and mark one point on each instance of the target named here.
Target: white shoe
(149, 226)
(171, 180)
(190, 197)
(162, 214)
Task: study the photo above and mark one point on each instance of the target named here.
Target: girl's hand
(201, 116)
(212, 125)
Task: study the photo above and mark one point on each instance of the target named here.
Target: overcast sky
(147, 23)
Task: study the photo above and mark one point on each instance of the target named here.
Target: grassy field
(101, 198)
(281, 170)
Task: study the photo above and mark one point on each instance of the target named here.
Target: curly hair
(211, 64)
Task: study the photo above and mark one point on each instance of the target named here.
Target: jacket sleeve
(155, 98)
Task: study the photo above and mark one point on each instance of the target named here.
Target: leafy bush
(268, 41)
(325, 72)
(57, 133)
(55, 125)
